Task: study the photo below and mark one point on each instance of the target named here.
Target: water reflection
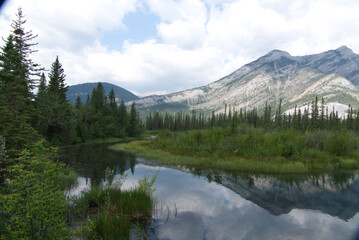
(333, 193)
(204, 204)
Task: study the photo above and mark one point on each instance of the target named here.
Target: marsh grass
(113, 212)
(284, 151)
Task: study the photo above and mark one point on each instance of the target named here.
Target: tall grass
(253, 149)
(114, 212)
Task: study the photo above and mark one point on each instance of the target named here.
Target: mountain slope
(274, 76)
(341, 61)
(85, 89)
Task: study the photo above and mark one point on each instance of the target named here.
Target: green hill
(85, 89)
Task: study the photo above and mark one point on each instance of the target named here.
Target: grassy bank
(251, 150)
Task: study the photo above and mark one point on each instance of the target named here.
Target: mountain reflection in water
(205, 204)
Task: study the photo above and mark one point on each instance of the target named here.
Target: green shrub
(34, 205)
(340, 143)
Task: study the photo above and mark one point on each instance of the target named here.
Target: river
(208, 204)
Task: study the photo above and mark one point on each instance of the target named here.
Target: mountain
(85, 89)
(277, 75)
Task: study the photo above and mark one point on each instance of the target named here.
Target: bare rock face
(342, 61)
(277, 75)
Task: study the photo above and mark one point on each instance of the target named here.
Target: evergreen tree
(98, 98)
(122, 114)
(57, 85)
(78, 102)
(112, 100)
(16, 98)
(58, 109)
(23, 43)
(42, 103)
(16, 106)
(278, 116)
(133, 124)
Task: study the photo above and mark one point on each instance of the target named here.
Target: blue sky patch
(140, 26)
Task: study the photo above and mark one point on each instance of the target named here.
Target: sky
(163, 46)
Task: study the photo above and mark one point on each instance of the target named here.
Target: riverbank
(170, 150)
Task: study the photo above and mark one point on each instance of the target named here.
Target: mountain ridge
(296, 80)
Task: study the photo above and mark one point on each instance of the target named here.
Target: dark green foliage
(84, 89)
(101, 118)
(16, 107)
(34, 205)
(55, 110)
(134, 127)
(3, 154)
(41, 103)
(78, 102)
(341, 143)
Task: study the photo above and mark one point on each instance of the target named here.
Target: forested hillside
(84, 89)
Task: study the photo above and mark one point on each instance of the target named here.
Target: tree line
(315, 116)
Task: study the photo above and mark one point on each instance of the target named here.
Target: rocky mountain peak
(276, 54)
(345, 51)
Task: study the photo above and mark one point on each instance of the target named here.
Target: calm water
(203, 204)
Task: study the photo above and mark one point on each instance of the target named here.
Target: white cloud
(200, 41)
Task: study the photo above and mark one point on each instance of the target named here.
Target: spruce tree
(122, 114)
(58, 109)
(57, 85)
(133, 128)
(42, 103)
(16, 108)
(78, 102)
(16, 82)
(112, 100)
(23, 43)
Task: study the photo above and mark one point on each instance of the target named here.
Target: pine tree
(278, 116)
(23, 43)
(16, 106)
(112, 100)
(122, 114)
(78, 103)
(133, 128)
(98, 98)
(42, 103)
(58, 109)
(57, 85)
(16, 82)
